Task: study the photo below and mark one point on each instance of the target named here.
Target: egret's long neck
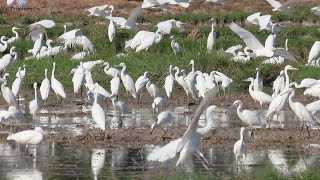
(170, 70)
(16, 33)
(286, 44)
(46, 74)
(251, 87)
(287, 78)
(293, 93)
(95, 97)
(212, 26)
(49, 44)
(258, 74)
(192, 67)
(241, 136)
(52, 74)
(159, 37)
(35, 93)
(209, 124)
(176, 75)
(123, 71)
(239, 108)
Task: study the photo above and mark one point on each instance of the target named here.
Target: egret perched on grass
(212, 38)
(8, 95)
(169, 83)
(56, 85)
(258, 95)
(127, 81)
(111, 31)
(140, 84)
(110, 71)
(164, 117)
(287, 81)
(175, 46)
(301, 111)
(3, 44)
(37, 46)
(240, 148)
(16, 37)
(16, 85)
(34, 105)
(45, 86)
(168, 25)
(97, 113)
(8, 59)
(22, 73)
(28, 136)
(314, 53)
(189, 143)
(78, 79)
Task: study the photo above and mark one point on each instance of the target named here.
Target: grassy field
(301, 30)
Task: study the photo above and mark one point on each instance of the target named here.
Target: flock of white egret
(196, 84)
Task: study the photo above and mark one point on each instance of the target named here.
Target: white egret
(164, 117)
(37, 46)
(240, 148)
(201, 84)
(80, 55)
(40, 27)
(127, 81)
(258, 49)
(143, 40)
(212, 38)
(169, 83)
(250, 118)
(100, 10)
(277, 104)
(96, 88)
(97, 113)
(16, 85)
(78, 78)
(88, 65)
(22, 4)
(189, 143)
(192, 74)
(316, 10)
(34, 105)
(76, 37)
(8, 95)
(110, 71)
(308, 83)
(258, 95)
(175, 46)
(28, 136)
(253, 18)
(152, 89)
(225, 81)
(140, 84)
(56, 85)
(114, 84)
(314, 106)
(287, 81)
(45, 86)
(3, 44)
(8, 59)
(119, 105)
(301, 111)
(149, 41)
(159, 103)
(277, 6)
(314, 53)
(166, 26)
(258, 83)
(16, 37)
(111, 31)
(129, 23)
(313, 91)
(22, 73)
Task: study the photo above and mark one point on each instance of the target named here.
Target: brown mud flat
(284, 139)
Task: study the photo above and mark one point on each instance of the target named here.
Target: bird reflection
(97, 161)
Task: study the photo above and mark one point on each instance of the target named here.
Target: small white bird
(240, 148)
(34, 105)
(212, 38)
(153, 90)
(28, 136)
(127, 81)
(159, 104)
(110, 71)
(114, 84)
(169, 83)
(97, 113)
(56, 85)
(175, 46)
(37, 46)
(7, 94)
(119, 105)
(164, 117)
(45, 86)
(258, 83)
(3, 44)
(258, 95)
(16, 37)
(8, 59)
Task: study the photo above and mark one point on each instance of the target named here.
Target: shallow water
(61, 160)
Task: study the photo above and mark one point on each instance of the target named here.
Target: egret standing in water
(34, 105)
(240, 148)
(28, 136)
(56, 85)
(98, 114)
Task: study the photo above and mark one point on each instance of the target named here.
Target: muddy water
(60, 160)
(63, 159)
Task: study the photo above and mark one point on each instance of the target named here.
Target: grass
(158, 58)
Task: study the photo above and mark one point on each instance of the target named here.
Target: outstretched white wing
(253, 17)
(165, 26)
(251, 41)
(274, 4)
(232, 50)
(264, 21)
(164, 153)
(45, 23)
(134, 15)
(283, 53)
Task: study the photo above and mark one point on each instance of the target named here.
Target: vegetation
(158, 58)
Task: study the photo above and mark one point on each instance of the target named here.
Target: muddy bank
(285, 139)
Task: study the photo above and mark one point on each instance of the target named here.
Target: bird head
(122, 64)
(288, 67)
(250, 79)
(236, 103)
